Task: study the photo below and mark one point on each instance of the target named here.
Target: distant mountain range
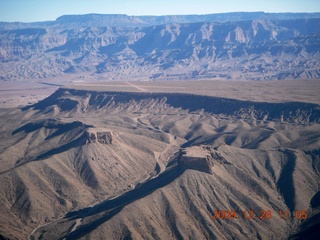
(248, 46)
(117, 20)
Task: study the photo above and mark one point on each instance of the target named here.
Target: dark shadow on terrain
(235, 107)
(285, 182)
(84, 229)
(51, 84)
(76, 143)
(60, 127)
(315, 155)
(109, 208)
(189, 143)
(315, 200)
(29, 32)
(3, 238)
(309, 229)
(287, 111)
(64, 104)
(208, 141)
(157, 168)
(261, 138)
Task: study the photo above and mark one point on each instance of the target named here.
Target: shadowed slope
(101, 166)
(248, 46)
(86, 100)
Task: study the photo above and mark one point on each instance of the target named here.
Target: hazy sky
(41, 10)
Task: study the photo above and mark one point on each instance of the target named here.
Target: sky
(47, 10)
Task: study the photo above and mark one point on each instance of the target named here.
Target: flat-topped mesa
(201, 158)
(196, 158)
(83, 100)
(99, 136)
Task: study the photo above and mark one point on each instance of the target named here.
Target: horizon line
(154, 15)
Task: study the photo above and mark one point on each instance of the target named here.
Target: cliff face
(126, 48)
(81, 163)
(103, 137)
(65, 100)
(201, 158)
(196, 158)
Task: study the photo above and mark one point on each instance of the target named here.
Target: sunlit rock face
(118, 47)
(103, 137)
(196, 158)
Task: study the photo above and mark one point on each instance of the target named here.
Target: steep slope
(113, 165)
(49, 167)
(184, 209)
(83, 101)
(242, 180)
(257, 48)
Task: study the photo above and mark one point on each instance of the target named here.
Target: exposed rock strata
(190, 48)
(103, 137)
(196, 158)
(59, 157)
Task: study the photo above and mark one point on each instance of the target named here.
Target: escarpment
(71, 100)
(90, 159)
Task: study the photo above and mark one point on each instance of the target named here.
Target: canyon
(238, 46)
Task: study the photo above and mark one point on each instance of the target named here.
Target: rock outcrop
(196, 158)
(66, 99)
(255, 48)
(100, 136)
(201, 158)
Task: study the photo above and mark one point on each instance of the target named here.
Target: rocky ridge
(65, 100)
(117, 47)
(106, 165)
(103, 137)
